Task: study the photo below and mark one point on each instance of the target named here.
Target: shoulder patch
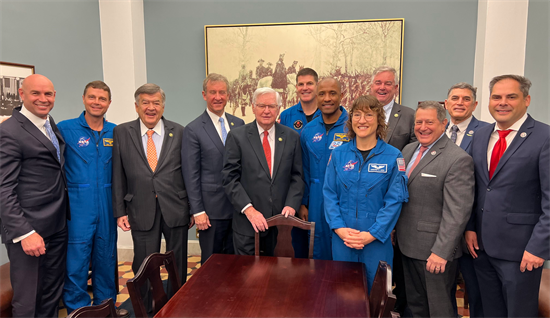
(298, 124)
(401, 164)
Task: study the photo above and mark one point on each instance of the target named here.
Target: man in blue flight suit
(297, 117)
(92, 229)
(318, 139)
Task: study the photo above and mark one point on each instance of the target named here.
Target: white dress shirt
(387, 110)
(494, 137)
(461, 130)
(158, 136)
(216, 121)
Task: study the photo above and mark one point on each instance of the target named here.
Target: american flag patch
(401, 164)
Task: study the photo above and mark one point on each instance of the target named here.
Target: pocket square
(427, 175)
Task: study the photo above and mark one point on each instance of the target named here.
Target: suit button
(270, 200)
(488, 189)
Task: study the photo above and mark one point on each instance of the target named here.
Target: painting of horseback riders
(270, 55)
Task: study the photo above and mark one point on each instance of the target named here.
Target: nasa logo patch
(350, 165)
(83, 142)
(318, 137)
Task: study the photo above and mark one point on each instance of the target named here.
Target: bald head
(331, 81)
(38, 95)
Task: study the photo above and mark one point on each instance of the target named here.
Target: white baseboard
(127, 254)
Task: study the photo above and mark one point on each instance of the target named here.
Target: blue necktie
(53, 138)
(224, 132)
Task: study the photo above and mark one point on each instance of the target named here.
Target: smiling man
(299, 115)
(509, 231)
(318, 139)
(92, 229)
(34, 204)
(429, 229)
(149, 196)
(400, 119)
(262, 174)
(461, 103)
(202, 163)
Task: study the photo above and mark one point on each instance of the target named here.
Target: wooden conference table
(250, 286)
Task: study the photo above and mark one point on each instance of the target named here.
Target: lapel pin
(433, 153)
(471, 132)
(171, 134)
(280, 139)
(232, 124)
(523, 135)
(396, 115)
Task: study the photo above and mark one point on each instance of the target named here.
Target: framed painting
(260, 55)
(11, 78)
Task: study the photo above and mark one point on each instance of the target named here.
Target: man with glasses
(262, 174)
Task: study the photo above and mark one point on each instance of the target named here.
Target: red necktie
(418, 158)
(498, 150)
(267, 150)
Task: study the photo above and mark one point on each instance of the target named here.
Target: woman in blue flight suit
(365, 186)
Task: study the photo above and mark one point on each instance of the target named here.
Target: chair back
(284, 239)
(382, 300)
(149, 271)
(105, 309)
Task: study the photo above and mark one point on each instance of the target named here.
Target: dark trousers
(148, 242)
(218, 238)
(398, 277)
(466, 266)
(245, 245)
(429, 295)
(505, 290)
(37, 282)
(300, 242)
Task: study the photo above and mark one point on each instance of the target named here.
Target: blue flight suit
(365, 195)
(317, 145)
(295, 118)
(92, 228)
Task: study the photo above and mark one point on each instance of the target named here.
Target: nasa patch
(401, 164)
(298, 124)
(83, 142)
(318, 137)
(378, 167)
(335, 144)
(350, 165)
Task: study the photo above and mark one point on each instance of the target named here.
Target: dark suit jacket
(246, 176)
(441, 193)
(474, 125)
(512, 210)
(202, 163)
(400, 127)
(33, 189)
(135, 185)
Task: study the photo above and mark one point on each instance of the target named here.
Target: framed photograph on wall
(260, 55)
(11, 78)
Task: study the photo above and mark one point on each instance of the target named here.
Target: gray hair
(464, 85)
(266, 90)
(431, 104)
(214, 77)
(149, 89)
(385, 68)
(524, 82)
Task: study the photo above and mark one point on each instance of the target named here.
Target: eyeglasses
(358, 115)
(271, 107)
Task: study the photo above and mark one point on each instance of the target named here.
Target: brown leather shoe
(121, 312)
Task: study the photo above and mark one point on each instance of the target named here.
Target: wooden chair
(284, 239)
(105, 309)
(6, 291)
(150, 271)
(382, 300)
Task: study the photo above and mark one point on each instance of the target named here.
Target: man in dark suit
(262, 173)
(149, 195)
(34, 204)
(509, 231)
(460, 103)
(202, 163)
(431, 224)
(400, 120)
